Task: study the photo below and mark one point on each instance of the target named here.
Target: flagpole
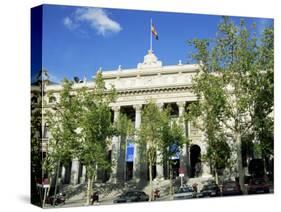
(150, 35)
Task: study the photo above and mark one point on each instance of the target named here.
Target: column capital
(116, 108)
(181, 104)
(137, 107)
(160, 104)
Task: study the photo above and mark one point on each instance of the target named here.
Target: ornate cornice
(153, 90)
(172, 69)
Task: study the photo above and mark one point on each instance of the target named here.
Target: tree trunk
(170, 177)
(44, 199)
(89, 189)
(50, 183)
(239, 161)
(56, 182)
(216, 176)
(150, 182)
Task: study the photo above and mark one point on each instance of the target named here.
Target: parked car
(132, 196)
(210, 190)
(231, 188)
(59, 199)
(183, 193)
(258, 186)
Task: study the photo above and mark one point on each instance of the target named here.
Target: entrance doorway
(175, 165)
(129, 170)
(67, 177)
(195, 161)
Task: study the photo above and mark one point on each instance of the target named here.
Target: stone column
(205, 168)
(74, 171)
(63, 174)
(115, 148)
(159, 166)
(83, 177)
(187, 134)
(159, 162)
(183, 155)
(120, 150)
(137, 165)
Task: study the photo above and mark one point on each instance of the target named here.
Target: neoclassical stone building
(166, 85)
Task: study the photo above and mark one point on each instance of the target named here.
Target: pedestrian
(194, 186)
(95, 197)
(197, 169)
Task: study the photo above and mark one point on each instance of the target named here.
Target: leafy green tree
(210, 111)
(80, 126)
(158, 135)
(124, 126)
(62, 122)
(95, 129)
(149, 136)
(36, 150)
(218, 154)
(264, 96)
(227, 85)
(173, 140)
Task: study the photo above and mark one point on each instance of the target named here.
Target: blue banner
(174, 149)
(130, 151)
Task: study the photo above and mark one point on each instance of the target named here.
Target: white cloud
(97, 19)
(69, 23)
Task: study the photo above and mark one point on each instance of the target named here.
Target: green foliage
(172, 134)
(95, 126)
(81, 127)
(264, 96)
(150, 130)
(36, 153)
(157, 133)
(62, 123)
(124, 126)
(218, 152)
(234, 87)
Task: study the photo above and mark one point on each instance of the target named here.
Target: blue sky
(77, 41)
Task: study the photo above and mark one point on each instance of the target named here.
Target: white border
(14, 111)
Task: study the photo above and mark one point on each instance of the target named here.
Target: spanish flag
(153, 31)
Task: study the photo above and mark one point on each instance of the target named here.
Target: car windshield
(128, 194)
(230, 184)
(258, 181)
(184, 190)
(209, 187)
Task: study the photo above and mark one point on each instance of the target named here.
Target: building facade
(165, 85)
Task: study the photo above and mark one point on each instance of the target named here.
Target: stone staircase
(109, 190)
(106, 190)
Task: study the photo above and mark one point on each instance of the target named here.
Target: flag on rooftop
(154, 32)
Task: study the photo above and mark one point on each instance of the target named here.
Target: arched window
(52, 99)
